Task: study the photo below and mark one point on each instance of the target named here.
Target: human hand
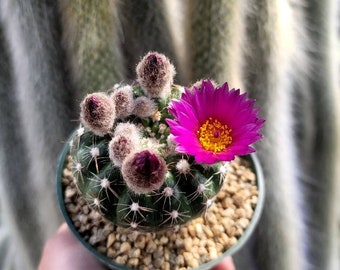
(64, 251)
(226, 264)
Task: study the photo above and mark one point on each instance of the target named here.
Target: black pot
(256, 168)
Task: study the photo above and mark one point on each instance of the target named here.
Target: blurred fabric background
(284, 53)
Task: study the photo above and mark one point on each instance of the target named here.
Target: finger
(226, 264)
(64, 251)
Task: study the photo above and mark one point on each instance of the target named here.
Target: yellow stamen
(214, 136)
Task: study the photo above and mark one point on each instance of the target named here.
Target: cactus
(125, 157)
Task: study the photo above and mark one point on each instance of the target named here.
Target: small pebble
(208, 232)
(147, 259)
(158, 253)
(199, 230)
(151, 247)
(140, 242)
(179, 260)
(213, 253)
(134, 253)
(164, 240)
(70, 192)
(121, 259)
(124, 247)
(166, 266)
(189, 259)
(110, 239)
(157, 262)
(191, 230)
(188, 243)
(243, 222)
(179, 242)
(238, 200)
(133, 262)
(217, 229)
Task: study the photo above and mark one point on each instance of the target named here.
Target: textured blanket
(284, 53)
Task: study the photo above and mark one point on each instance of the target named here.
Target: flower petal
(209, 112)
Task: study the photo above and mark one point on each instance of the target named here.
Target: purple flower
(214, 124)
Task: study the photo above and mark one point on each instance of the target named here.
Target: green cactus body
(185, 193)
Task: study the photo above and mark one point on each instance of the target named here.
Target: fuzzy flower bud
(171, 143)
(97, 113)
(155, 74)
(144, 171)
(198, 84)
(128, 130)
(119, 148)
(123, 100)
(144, 107)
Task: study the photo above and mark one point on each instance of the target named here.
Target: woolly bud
(198, 84)
(119, 147)
(123, 100)
(155, 74)
(97, 113)
(144, 107)
(171, 143)
(144, 171)
(128, 130)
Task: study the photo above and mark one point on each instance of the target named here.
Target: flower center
(214, 136)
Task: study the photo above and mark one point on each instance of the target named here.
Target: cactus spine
(130, 173)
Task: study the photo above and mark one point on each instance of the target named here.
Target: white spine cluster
(183, 166)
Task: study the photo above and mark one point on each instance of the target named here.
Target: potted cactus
(148, 162)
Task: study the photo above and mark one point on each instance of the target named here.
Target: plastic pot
(255, 167)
